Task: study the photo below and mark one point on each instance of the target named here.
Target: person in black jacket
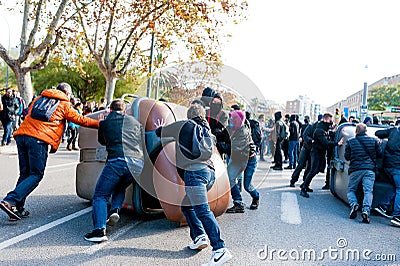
(8, 115)
(305, 154)
(362, 152)
(319, 146)
(392, 168)
(123, 137)
(294, 131)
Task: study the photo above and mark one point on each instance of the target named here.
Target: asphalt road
(286, 230)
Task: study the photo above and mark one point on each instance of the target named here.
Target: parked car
(340, 178)
(159, 188)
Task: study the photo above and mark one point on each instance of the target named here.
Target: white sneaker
(199, 242)
(219, 257)
(113, 219)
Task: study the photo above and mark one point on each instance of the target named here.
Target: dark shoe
(21, 213)
(291, 184)
(254, 204)
(237, 208)
(75, 148)
(277, 168)
(294, 166)
(288, 167)
(382, 211)
(365, 218)
(353, 212)
(113, 218)
(285, 161)
(97, 235)
(308, 189)
(10, 209)
(395, 221)
(304, 193)
(326, 187)
(69, 148)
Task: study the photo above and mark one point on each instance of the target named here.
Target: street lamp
(364, 106)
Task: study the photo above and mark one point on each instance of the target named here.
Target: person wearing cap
(368, 120)
(8, 115)
(33, 139)
(242, 159)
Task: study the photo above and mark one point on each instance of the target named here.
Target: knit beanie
(237, 119)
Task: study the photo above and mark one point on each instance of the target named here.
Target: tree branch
(106, 49)
(36, 25)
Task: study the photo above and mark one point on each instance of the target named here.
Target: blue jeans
(117, 175)
(367, 177)
(393, 193)
(195, 206)
(7, 126)
(235, 170)
(32, 157)
(249, 171)
(293, 152)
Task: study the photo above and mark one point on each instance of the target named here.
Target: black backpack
(43, 108)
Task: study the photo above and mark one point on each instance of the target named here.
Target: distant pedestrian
(8, 115)
(362, 152)
(280, 129)
(123, 137)
(33, 139)
(294, 135)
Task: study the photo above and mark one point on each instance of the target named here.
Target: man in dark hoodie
(279, 131)
(294, 131)
(319, 146)
(217, 118)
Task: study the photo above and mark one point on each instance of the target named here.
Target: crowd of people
(238, 138)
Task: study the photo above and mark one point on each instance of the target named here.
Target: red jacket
(51, 132)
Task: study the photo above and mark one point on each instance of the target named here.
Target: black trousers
(278, 153)
(304, 161)
(317, 158)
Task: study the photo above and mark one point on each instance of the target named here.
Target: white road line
(290, 211)
(61, 165)
(93, 249)
(43, 228)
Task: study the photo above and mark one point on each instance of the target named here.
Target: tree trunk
(24, 83)
(111, 80)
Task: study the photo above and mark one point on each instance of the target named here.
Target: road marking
(61, 165)
(93, 249)
(290, 211)
(42, 228)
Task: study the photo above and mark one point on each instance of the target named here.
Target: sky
(317, 48)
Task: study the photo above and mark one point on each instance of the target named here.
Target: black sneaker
(236, 208)
(353, 212)
(326, 187)
(308, 189)
(113, 218)
(289, 167)
(395, 221)
(292, 184)
(97, 235)
(254, 204)
(21, 213)
(10, 209)
(276, 168)
(365, 218)
(304, 193)
(382, 211)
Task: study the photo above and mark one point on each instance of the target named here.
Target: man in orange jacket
(33, 138)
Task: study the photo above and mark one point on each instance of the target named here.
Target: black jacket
(122, 135)
(321, 142)
(294, 131)
(308, 136)
(392, 150)
(362, 158)
(10, 108)
(182, 132)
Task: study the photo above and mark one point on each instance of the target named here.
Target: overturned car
(159, 188)
(339, 166)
